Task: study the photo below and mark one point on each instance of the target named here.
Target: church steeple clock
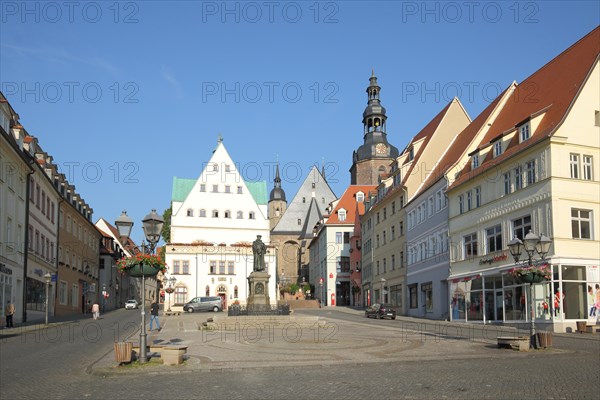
(371, 160)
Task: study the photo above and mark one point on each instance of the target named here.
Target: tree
(166, 230)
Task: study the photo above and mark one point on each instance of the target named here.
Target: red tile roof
(459, 145)
(348, 202)
(552, 88)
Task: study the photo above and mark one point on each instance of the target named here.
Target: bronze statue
(259, 249)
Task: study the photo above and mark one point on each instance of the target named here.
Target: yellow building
(535, 169)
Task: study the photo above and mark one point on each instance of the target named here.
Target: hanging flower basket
(141, 265)
(533, 274)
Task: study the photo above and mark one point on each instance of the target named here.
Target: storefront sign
(5, 270)
(489, 260)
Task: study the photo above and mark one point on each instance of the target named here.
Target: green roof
(183, 186)
(258, 190)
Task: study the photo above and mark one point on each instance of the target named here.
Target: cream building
(535, 169)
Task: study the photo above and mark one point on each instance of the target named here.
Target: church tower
(372, 159)
(277, 202)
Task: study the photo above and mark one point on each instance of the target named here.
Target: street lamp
(170, 288)
(382, 290)
(152, 225)
(532, 244)
(48, 278)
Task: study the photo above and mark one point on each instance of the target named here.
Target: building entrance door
(499, 301)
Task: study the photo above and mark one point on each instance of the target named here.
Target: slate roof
(309, 211)
(552, 89)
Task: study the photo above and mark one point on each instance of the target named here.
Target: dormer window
(342, 215)
(524, 132)
(475, 161)
(497, 148)
(360, 197)
(411, 154)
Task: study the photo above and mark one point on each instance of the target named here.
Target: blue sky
(126, 95)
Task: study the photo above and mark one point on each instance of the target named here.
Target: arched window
(227, 214)
(207, 291)
(240, 215)
(250, 215)
(202, 213)
(190, 212)
(215, 213)
(180, 295)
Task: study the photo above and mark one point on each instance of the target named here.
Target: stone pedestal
(258, 298)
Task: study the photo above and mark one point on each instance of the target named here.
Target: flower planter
(142, 270)
(530, 278)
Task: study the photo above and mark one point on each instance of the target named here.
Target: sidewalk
(35, 324)
(292, 342)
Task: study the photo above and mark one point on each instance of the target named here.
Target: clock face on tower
(381, 149)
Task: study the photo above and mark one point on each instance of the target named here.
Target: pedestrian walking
(96, 311)
(154, 315)
(9, 312)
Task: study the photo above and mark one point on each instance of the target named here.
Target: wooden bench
(520, 343)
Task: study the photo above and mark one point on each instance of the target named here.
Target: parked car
(131, 304)
(204, 304)
(380, 311)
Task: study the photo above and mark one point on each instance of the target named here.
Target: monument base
(258, 298)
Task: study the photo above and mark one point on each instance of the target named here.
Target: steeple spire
(277, 193)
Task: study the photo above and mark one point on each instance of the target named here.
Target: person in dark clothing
(154, 315)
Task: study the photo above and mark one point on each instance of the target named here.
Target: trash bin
(581, 326)
(544, 339)
(123, 351)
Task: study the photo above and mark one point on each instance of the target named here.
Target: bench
(170, 354)
(520, 343)
(591, 328)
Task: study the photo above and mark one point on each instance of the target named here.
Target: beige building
(535, 169)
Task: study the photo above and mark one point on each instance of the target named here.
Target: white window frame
(579, 220)
(588, 170)
(524, 132)
(497, 148)
(474, 161)
(574, 165)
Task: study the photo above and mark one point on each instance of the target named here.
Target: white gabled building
(215, 218)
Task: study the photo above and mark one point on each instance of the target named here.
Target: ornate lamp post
(152, 225)
(47, 278)
(532, 244)
(170, 288)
